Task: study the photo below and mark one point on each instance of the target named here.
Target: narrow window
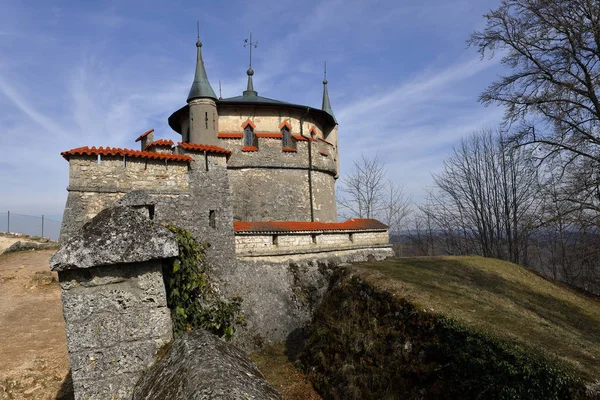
(212, 219)
(288, 141)
(314, 238)
(275, 240)
(205, 161)
(351, 237)
(206, 119)
(250, 137)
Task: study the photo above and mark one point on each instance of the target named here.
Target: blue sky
(402, 81)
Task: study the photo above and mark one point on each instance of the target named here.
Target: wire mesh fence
(34, 225)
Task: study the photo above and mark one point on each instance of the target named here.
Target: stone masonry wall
(184, 199)
(281, 292)
(277, 243)
(94, 186)
(272, 185)
(117, 319)
(114, 300)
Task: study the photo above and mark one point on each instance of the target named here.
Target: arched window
(288, 141)
(250, 137)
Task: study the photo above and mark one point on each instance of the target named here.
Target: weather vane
(249, 43)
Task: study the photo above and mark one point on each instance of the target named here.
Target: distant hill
(454, 327)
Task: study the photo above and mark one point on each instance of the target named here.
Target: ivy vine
(193, 300)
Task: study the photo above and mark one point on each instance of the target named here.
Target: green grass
(501, 299)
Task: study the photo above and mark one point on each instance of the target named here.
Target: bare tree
(395, 207)
(363, 190)
(488, 191)
(553, 90)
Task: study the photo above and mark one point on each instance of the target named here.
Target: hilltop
(441, 327)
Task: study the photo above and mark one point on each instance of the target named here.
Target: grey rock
(118, 235)
(24, 246)
(199, 366)
(136, 198)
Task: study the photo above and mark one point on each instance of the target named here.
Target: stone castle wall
(194, 196)
(258, 244)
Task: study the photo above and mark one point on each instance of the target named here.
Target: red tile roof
(143, 135)
(158, 143)
(302, 138)
(226, 135)
(203, 147)
(269, 135)
(249, 148)
(115, 151)
(323, 154)
(293, 226)
(289, 150)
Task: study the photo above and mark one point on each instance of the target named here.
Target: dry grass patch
(501, 299)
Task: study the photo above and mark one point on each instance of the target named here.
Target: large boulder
(201, 366)
(117, 235)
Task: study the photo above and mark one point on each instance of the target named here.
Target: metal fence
(34, 225)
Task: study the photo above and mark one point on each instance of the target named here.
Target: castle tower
(204, 118)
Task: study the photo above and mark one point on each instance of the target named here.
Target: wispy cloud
(399, 85)
(28, 109)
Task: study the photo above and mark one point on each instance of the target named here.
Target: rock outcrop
(199, 366)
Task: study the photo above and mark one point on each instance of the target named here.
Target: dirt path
(33, 351)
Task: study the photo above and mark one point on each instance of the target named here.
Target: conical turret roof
(200, 87)
(326, 105)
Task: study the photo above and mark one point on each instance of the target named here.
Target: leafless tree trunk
(488, 190)
(395, 207)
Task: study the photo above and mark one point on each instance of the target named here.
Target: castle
(253, 176)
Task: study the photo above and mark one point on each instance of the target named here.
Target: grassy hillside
(503, 299)
(450, 328)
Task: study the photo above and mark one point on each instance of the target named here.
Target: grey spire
(200, 87)
(326, 106)
(250, 89)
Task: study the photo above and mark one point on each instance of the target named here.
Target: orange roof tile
(115, 151)
(294, 226)
(289, 150)
(269, 135)
(226, 135)
(158, 143)
(286, 124)
(203, 147)
(143, 135)
(323, 154)
(249, 148)
(248, 122)
(300, 138)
